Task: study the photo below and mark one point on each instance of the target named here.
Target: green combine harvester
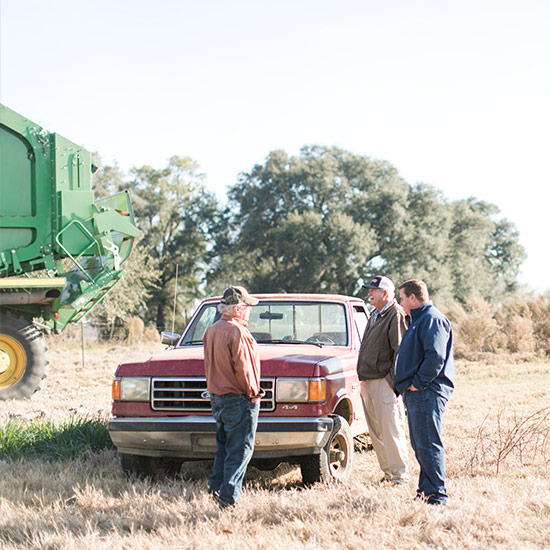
(60, 251)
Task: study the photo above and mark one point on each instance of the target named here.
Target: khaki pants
(385, 416)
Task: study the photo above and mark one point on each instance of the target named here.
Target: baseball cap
(238, 295)
(381, 282)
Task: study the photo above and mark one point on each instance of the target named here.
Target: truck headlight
(300, 390)
(131, 389)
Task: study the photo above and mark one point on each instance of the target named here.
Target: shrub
(476, 330)
(136, 328)
(540, 312)
(522, 437)
(151, 334)
(519, 334)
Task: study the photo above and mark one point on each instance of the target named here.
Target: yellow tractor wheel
(13, 361)
(23, 357)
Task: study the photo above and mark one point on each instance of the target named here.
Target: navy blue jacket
(425, 357)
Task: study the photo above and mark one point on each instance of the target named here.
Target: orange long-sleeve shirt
(231, 359)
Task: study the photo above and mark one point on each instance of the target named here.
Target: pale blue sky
(455, 94)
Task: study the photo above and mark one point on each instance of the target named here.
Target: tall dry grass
(520, 326)
(88, 503)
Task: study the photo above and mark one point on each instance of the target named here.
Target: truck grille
(190, 395)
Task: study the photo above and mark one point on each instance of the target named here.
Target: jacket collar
(419, 311)
(387, 308)
(232, 319)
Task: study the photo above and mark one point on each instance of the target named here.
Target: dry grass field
(497, 435)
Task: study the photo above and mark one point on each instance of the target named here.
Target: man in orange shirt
(232, 367)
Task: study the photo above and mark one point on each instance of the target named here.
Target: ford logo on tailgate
(205, 395)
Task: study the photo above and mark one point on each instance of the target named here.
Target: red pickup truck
(312, 407)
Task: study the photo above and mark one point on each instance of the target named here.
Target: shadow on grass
(81, 436)
(282, 478)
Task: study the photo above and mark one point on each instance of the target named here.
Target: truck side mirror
(169, 338)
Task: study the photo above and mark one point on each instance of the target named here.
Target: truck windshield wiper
(289, 342)
(189, 342)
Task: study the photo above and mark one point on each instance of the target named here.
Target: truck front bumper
(194, 437)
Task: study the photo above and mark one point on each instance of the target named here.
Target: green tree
(131, 294)
(505, 254)
(417, 248)
(321, 221)
(288, 228)
(107, 179)
(175, 213)
(484, 251)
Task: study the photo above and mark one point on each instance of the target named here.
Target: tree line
(321, 221)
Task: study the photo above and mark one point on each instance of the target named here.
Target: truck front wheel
(23, 357)
(335, 461)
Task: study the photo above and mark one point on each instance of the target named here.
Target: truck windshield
(278, 322)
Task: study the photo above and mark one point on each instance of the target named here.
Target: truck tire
(23, 357)
(149, 466)
(335, 461)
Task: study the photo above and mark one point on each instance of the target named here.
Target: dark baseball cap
(238, 295)
(381, 282)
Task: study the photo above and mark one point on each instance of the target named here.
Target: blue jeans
(236, 421)
(424, 413)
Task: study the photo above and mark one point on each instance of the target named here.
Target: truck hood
(276, 360)
(298, 359)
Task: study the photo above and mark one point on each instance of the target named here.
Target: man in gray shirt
(376, 367)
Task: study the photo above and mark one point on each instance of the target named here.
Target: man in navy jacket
(424, 375)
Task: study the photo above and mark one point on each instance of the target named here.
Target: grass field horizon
(497, 437)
